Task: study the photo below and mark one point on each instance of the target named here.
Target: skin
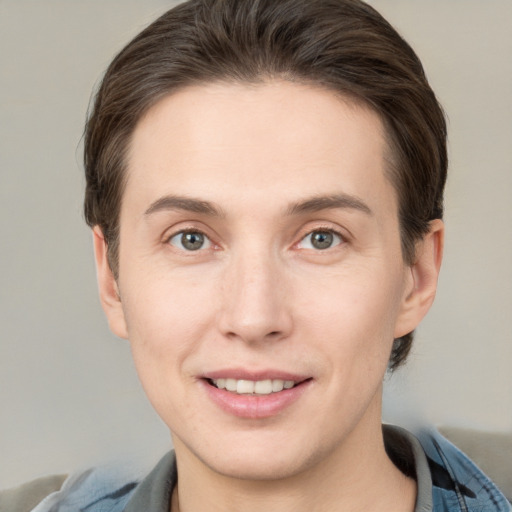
(259, 296)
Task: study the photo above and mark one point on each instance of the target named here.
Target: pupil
(322, 239)
(192, 241)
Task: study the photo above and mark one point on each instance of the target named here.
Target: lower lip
(255, 406)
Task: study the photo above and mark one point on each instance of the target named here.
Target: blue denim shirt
(458, 485)
(456, 482)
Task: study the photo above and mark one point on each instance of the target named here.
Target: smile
(257, 397)
(253, 387)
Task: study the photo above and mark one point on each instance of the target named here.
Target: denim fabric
(457, 485)
(95, 490)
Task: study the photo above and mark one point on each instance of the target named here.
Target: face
(261, 281)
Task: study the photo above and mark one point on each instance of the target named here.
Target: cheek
(166, 324)
(166, 319)
(355, 312)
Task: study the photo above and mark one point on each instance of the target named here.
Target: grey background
(69, 396)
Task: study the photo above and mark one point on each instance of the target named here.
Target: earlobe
(108, 288)
(421, 286)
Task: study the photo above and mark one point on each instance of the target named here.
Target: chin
(258, 468)
(261, 460)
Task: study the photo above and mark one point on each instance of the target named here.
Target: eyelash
(326, 230)
(183, 232)
(341, 239)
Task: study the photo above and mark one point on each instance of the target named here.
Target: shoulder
(25, 497)
(62, 493)
(491, 451)
(112, 488)
(457, 482)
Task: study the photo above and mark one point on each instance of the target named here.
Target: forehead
(266, 141)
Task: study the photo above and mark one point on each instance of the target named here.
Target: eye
(320, 240)
(190, 240)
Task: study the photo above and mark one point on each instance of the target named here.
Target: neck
(357, 476)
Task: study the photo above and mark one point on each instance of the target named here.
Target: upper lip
(244, 374)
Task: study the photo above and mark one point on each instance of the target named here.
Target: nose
(255, 303)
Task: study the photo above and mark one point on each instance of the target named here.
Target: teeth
(251, 387)
(263, 387)
(244, 387)
(278, 385)
(231, 384)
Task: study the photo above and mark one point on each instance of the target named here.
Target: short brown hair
(342, 45)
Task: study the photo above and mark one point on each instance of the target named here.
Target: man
(264, 184)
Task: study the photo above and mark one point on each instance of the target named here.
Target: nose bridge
(254, 306)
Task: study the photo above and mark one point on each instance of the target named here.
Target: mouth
(253, 387)
(255, 396)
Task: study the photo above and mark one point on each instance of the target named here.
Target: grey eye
(190, 240)
(320, 240)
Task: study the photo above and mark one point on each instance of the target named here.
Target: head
(265, 181)
(343, 46)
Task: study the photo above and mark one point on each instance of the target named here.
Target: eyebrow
(315, 204)
(188, 204)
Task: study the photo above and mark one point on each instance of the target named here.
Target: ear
(109, 291)
(421, 280)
